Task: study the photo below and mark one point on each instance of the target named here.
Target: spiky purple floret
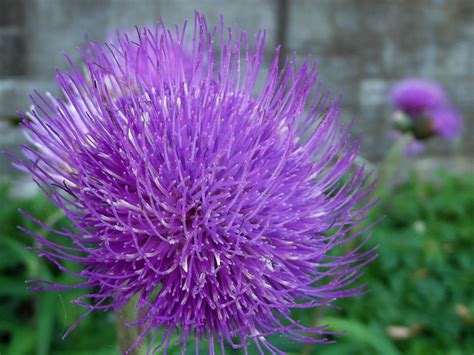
(415, 96)
(219, 209)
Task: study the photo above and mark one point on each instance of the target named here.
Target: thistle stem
(318, 313)
(389, 167)
(127, 335)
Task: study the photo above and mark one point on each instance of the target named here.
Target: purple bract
(217, 205)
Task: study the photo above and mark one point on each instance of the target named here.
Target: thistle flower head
(218, 208)
(446, 122)
(415, 96)
(424, 112)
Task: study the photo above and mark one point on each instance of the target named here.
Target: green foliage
(421, 298)
(33, 322)
(422, 281)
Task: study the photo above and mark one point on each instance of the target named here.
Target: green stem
(390, 166)
(128, 335)
(360, 161)
(318, 313)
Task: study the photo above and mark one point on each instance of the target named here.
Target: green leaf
(46, 312)
(18, 249)
(361, 333)
(23, 341)
(12, 287)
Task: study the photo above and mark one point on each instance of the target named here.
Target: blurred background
(421, 298)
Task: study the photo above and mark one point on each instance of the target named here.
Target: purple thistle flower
(138, 55)
(415, 96)
(412, 148)
(423, 112)
(446, 122)
(218, 209)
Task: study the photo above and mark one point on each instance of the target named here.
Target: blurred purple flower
(133, 51)
(423, 112)
(412, 148)
(197, 197)
(446, 122)
(415, 96)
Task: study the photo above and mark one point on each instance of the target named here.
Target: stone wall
(362, 47)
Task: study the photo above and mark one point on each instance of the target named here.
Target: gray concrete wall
(362, 47)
